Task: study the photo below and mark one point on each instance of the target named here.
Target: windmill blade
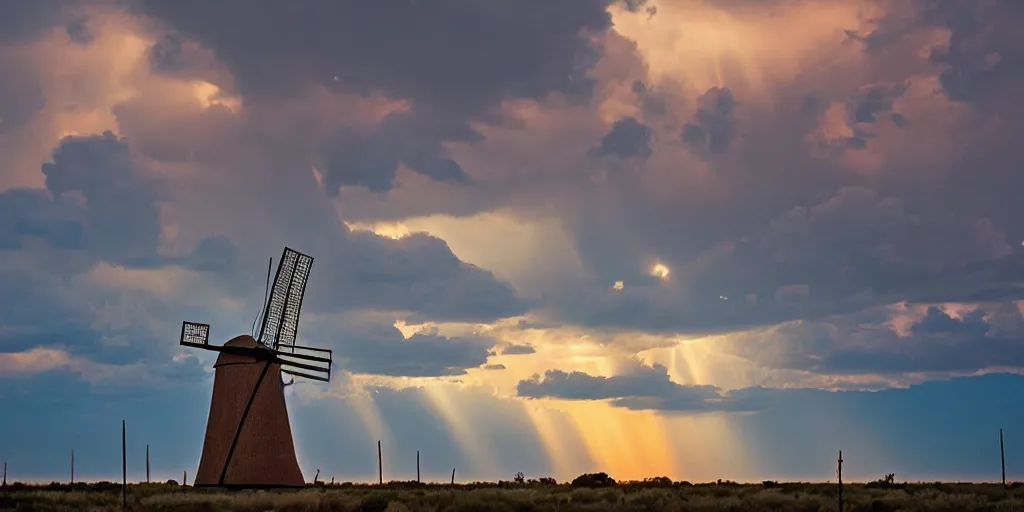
(305, 375)
(194, 334)
(281, 315)
(293, 305)
(315, 363)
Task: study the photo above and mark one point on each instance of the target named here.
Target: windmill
(248, 437)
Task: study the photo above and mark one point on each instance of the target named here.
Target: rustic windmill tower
(248, 437)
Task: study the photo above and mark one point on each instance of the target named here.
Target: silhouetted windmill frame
(276, 343)
(279, 328)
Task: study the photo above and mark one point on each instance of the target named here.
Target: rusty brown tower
(248, 437)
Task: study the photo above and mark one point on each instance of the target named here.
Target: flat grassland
(512, 497)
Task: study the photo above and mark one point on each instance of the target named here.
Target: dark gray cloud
(25, 19)
(515, 350)
(483, 55)
(646, 388)
(984, 55)
(413, 139)
(983, 338)
(714, 122)
(167, 55)
(212, 254)
(382, 350)
(939, 322)
(652, 102)
(417, 274)
(31, 213)
(99, 205)
(854, 250)
(119, 199)
(875, 99)
(78, 32)
(864, 107)
(628, 138)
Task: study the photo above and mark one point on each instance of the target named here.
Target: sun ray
(369, 414)
(555, 447)
(469, 440)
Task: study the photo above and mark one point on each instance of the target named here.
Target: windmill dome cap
(243, 341)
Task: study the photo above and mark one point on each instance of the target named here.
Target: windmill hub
(248, 437)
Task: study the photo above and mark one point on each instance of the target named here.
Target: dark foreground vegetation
(587, 493)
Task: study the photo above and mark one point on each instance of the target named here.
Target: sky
(687, 238)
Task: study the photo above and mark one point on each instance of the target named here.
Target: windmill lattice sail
(248, 436)
(281, 318)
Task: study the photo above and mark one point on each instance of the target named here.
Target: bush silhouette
(593, 480)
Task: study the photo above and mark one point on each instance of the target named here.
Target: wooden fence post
(839, 474)
(124, 468)
(1002, 456)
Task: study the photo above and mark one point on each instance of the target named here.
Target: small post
(417, 466)
(380, 465)
(4, 482)
(147, 463)
(124, 469)
(1002, 456)
(72, 467)
(839, 474)
(184, 478)
(453, 476)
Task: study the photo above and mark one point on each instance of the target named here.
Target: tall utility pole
(147, 463)
(417, 466)
(839, 474)
(1002, 456)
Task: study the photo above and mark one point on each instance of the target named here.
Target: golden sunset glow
(394, 231)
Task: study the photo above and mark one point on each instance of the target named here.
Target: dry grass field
(653, 495)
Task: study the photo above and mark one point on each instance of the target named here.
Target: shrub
(593, 480)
